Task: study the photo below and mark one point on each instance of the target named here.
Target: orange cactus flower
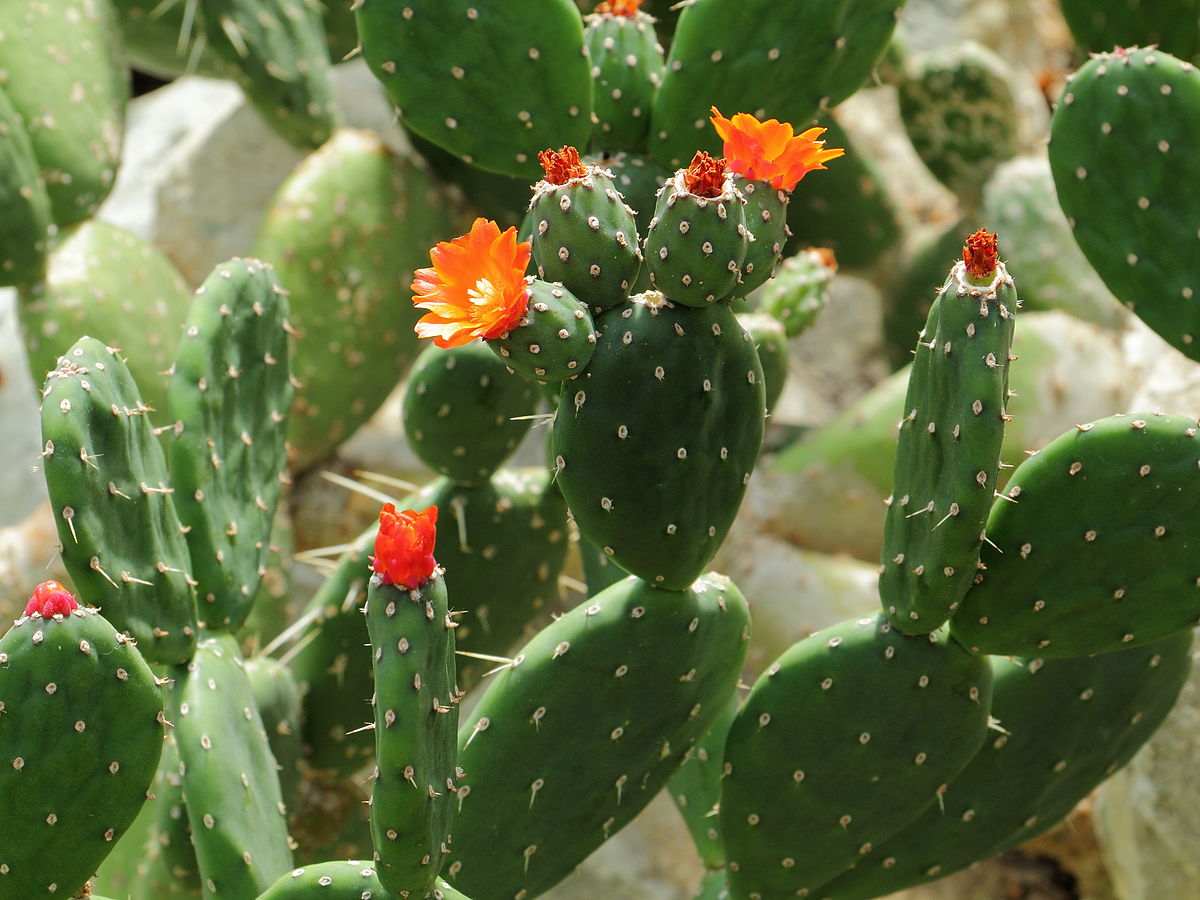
(626, 8)
(981, 253)
(771, 151)
(705, 176)
(562, 165)
(404, 546)
(475, 288)
(51, 599)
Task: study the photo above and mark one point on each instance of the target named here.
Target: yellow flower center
(484, 293)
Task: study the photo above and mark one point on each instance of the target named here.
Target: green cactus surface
(514, 80)
(122, 541)
(1119, 139)
(81, 731)
(627, 68)
(637, 178)
(169, 869)
(25, 219)
(1113, 497)
(554, 340)
(799, 291)
(344, 880)
(1100, 25)
(229, 397)
(280, 705)
(658, 495)
(657, 666)
(696, 788)
(770, 340)
(766, 217)
(843, 741)
(167, 39)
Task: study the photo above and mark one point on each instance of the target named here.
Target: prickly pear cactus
(627, 68)
(1130, 579)
(1119, 135)
(106, 282)
(81, 731)
(514, 80)
(637, 178)
(229, 397)
(167, 40)
(1099, 709)
(949, 442)
(24, 205)
(770, 341)
(696, 788)
(278, 701)
(1173, 25)
(799, 290)
(812, 766)
(659, 500)
(230, 786)
(169, 869)
(343, 880)
(344, 234)
(554, 340)
(465, 411)
(416, 704)
(63, 73)
(522, 746)
(121, 538)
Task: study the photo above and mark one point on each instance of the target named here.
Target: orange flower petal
(404, 546)
(771, 151)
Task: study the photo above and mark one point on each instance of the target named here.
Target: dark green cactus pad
(64, 75)
(80, 737)
(25, 219)
(344, 880)
(637, 178)
(341, 29)
(279, 702)
(655, 443)
(584, 235)
(766, 217)
(498, 197)
(695, 246)
(714, 886)
(1066, 726)
(657, 666)
(122, 541)
(345, 233)
(798, 292)
(514, 80)
(413, 800)
(1100, 25)
(463, 409)
(230, 785)
(1098, 550)
(229, 397)
(696, 788)
(276, 52)
(771, 342)
(788, 59)
(169, 869)
(106, 282)
(958, 108)
(627, 68)
(1121, 137)
(599, 571)
(847, 738)
(948, 456)
(167, 40)
(555, 339)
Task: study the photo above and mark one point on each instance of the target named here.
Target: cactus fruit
(949, 442)
(637, 178)
(81, 730)
(25, 220)
(344, 880)
(659, 500)
(121, 538)
(1130, 580)
(799, 290)
(465, 412)
(958, 107)
(699, 209)
(514, 79)
(106, 282)
(696, 788)
(1111, 111)
(229, 397)
(1100, 710)
(847, 738)
(584, 234)
(790, 60)
(278, 701)
(1100, 25)
(627, 68)
(416, 703)
(234, 805)
(344, 233)
(657, 666)
(770, 341)
(276, 52)
(554, 340)
(63, 74)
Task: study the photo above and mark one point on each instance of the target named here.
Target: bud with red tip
(51, 599)
(404, 546)
(981, 252)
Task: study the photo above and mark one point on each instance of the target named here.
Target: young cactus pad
(229, 397)
(846, 738)
(659, 494)
(1122, 134)
(554, 340)
(696, 788)
(1116, 499)
(121, 539)
(514, 79)
(949, 442)
(656, 666)
(627, 68)
(81, 731)
(343, 880)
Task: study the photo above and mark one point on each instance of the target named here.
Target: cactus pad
(24, 205)
(344, 880)
(696, 788)
(554, 340)
(627, 68)
(637, 178)
(770, 341)
(799, 290)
